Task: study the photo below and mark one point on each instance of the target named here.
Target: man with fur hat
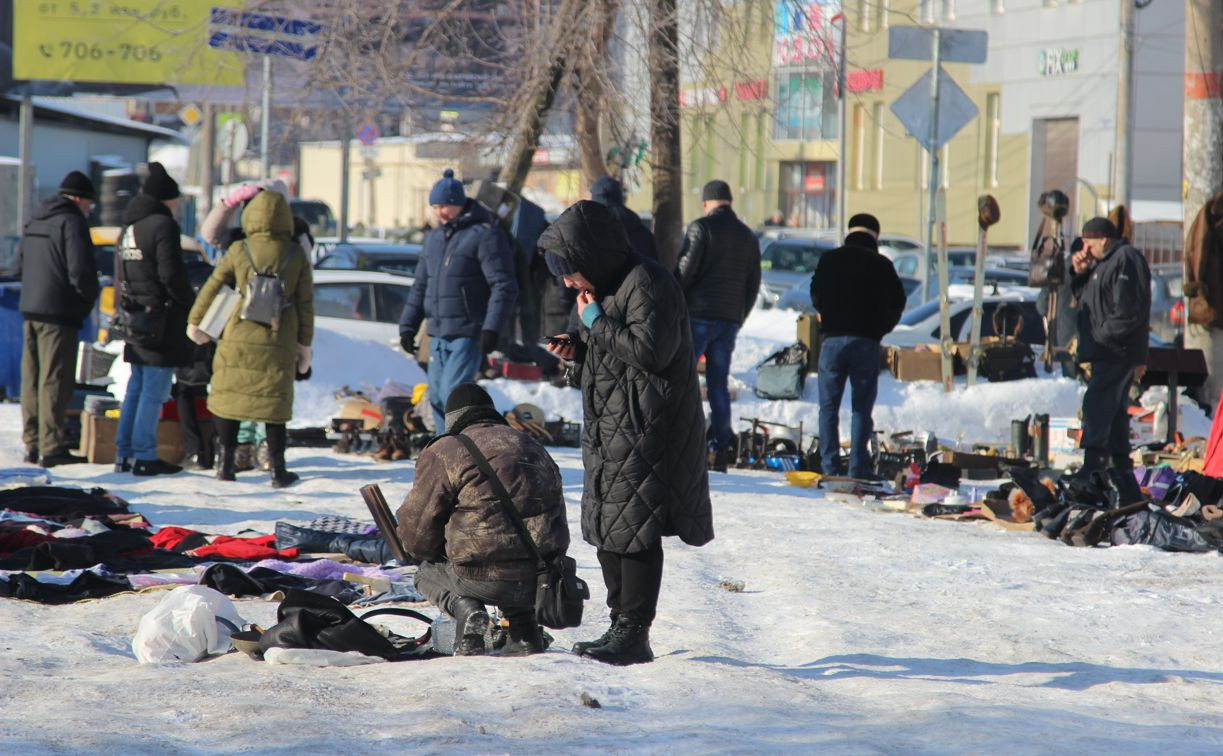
(465, 287)
(859, 299)
(453, 521)
(150, 276)
(719, 271)
(1113, 285)
(59, 285)
(643, 431)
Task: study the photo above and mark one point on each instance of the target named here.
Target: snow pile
(341, 361)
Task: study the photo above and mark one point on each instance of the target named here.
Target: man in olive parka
(255, 365)
(643, 444)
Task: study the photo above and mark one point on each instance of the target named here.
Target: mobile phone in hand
(559, 341)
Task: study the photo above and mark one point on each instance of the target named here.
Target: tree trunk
(591, 92)
(539, 94)
(664, 130)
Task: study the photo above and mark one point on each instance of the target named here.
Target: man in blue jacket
(465, 287)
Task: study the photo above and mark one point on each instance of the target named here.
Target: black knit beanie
(77, 184)
(1100, 228)
(159, 185)
(467, 395)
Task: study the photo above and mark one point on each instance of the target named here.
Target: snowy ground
(857, 631)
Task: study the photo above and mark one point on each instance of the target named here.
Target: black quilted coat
(643, 437)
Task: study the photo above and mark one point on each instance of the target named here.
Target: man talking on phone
(643, 431)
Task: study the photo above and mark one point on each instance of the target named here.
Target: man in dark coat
(859, 299)
(466, 288)
(643, 435)
(1113, 284)
(150, 273)
(453, 522)
(59, 285)
(719, 272)
(608, 192)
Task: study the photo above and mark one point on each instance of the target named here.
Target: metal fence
(1160, 241)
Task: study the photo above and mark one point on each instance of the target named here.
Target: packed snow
(856, 631)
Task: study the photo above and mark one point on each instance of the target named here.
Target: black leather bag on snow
(559, 592)
(309, 620)
(783, 374)
(1008, 358)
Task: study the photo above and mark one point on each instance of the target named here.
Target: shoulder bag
(559, 592)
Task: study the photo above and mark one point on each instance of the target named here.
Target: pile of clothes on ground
(61, 544)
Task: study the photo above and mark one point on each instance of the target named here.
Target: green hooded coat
(254, 367)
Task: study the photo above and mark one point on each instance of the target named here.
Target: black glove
(408, 342)
(488, 341)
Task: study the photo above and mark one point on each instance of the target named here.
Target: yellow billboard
(121, 42)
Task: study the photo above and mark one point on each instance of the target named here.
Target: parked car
(785, 262)
(798, 297)
(363, 304)
(1168, 301)
(316, 213)
(390, 258)
(921, 325)
(909, 262)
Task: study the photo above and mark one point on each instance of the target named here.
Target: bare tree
(664, 129)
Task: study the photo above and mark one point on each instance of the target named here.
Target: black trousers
(227, 434)
(185, 395)
(633, 582)
(439, 583)
(1106, 417)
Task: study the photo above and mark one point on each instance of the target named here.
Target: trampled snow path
(857, 632)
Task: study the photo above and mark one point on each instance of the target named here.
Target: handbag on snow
(311, 620)
(783, 374)
(559, 592)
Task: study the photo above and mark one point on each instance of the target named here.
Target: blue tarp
(10, 338)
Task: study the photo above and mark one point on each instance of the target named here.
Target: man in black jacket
(719, 270)
(1113, 284)
(608, 192)
(151, 276)
(59, 285)
(859, 299)
(643, 434)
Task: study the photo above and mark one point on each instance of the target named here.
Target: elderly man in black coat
(643, 439)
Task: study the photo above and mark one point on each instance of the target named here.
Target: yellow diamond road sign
(190, 114)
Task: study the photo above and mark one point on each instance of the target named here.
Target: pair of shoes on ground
(54, 460)
(626, 642)
(145, 467)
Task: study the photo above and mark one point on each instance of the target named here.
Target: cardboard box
(360, 408)
(907, 364)
(809, 335)
(98, 439)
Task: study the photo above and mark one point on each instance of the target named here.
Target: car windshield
(313, 213)
(793, 257)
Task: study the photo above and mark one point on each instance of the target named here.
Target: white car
(921, 324)
(363, 304)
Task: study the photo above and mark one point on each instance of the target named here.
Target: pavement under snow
(856, 631)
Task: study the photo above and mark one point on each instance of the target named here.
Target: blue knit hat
(448, 190)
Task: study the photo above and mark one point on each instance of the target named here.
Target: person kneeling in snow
(454, 523)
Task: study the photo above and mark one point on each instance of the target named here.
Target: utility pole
(265, 130)
(842, 190)
(1125, 88)
(210, 156)
(1202, 160)
(345, 161)
(933, 178)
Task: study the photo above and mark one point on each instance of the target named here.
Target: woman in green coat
(256, 364)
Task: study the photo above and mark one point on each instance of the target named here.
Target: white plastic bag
(318, 657)
(184, 626)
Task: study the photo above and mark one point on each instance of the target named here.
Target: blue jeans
(857, 359)
(451, 362)
(716, 340)
(147, 389)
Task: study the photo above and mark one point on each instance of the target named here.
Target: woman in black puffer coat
(643, 439)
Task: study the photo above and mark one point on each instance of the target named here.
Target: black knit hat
(77, 184)
(1100, 228)
(716, 190)
(864, 220)
(467, 395)
(159, 185)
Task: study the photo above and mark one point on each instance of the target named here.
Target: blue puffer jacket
(465, 279)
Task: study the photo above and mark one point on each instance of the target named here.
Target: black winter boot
(304, 540)
(629, 644)
(526, 636)
(226, 469)
(471, 623)
(584, 646)
(282, 478)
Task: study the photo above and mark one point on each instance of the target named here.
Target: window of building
(711, 136)
(925, 11)
(694, 155)
(858, 148)
(993, 132)
(879, 135)
(761, 125)
(803, 103)
(864, 15)
(949, 10)
(884, 10)
(745, 127)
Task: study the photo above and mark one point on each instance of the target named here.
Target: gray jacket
(1115, 306)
